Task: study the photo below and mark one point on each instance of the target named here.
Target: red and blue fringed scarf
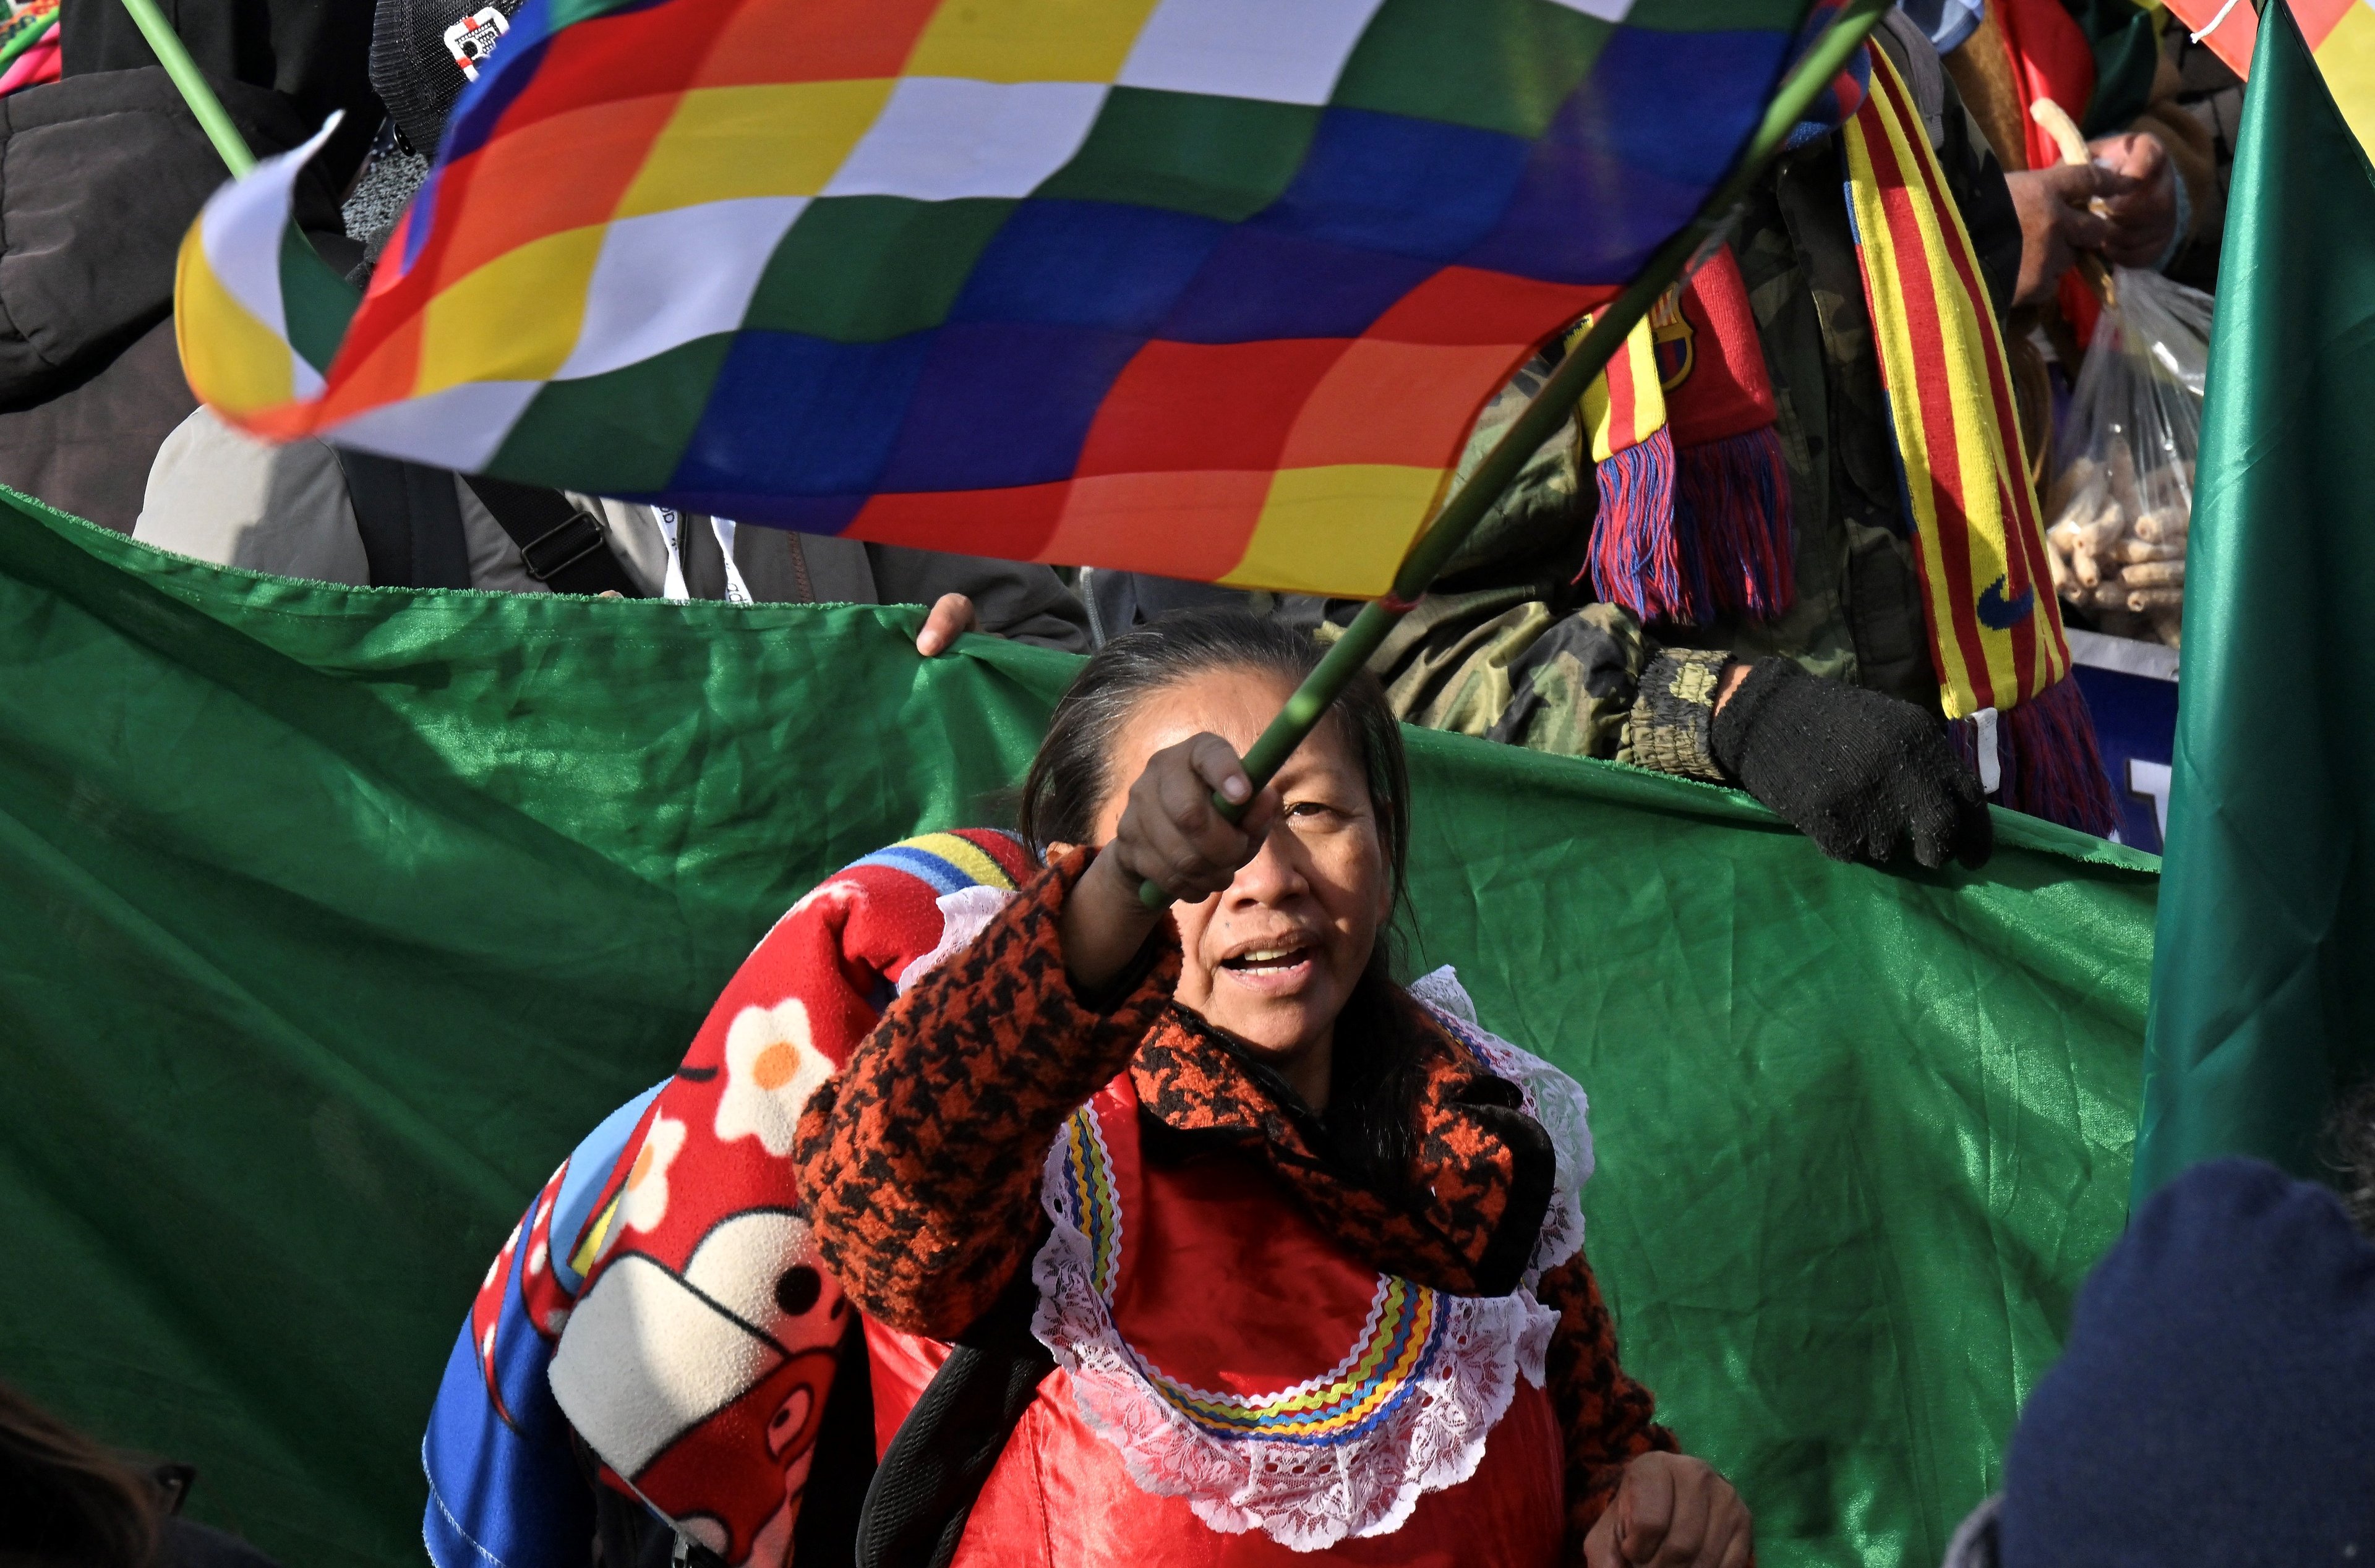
(1694, 495)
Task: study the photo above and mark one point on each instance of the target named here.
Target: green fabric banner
(334, 917)
(2260, 1008)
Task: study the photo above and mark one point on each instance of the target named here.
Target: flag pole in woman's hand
(1549, 410)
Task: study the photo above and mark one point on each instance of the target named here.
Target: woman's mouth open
(1271, 970)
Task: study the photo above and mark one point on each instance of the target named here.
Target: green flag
(2260, 1004)
(331, 918)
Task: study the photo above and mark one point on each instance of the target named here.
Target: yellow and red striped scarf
(1979, 533)
(1625, 405)
(1978, 536)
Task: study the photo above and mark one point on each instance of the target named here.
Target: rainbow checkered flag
(1211, 288)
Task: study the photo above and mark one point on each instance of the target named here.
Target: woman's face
(1271, 958)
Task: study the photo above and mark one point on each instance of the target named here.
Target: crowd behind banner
(2083, 146)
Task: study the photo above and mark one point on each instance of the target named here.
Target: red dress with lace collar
(1235, 1387)
(1256, 1358)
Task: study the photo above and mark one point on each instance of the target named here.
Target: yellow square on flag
(2346, 56)
(769, 139)
(1029, 40)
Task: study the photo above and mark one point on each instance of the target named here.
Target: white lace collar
(1441, 1400)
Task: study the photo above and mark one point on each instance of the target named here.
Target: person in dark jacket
(314, 55)
(100, 176)
(102, 173)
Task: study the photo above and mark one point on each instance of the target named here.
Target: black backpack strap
(924, 1489)
(411, 521)
(563, 547)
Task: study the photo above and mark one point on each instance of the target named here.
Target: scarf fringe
(1636, 560)
(1731, 511)
(2051, 767)
(1686, 534)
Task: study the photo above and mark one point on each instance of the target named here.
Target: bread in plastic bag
(2121, 496)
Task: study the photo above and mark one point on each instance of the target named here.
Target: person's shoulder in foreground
(2216, 1402)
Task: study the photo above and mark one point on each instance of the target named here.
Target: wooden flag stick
(195, 90)
(1546, 413)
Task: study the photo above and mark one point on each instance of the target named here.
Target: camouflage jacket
(1509, 647)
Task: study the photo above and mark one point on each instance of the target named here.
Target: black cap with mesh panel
(421, 56)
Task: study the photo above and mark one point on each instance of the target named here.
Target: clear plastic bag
(2121, 496)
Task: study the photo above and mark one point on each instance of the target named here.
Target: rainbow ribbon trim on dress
(1388, 1358)
(946, 861)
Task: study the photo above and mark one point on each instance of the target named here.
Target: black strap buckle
(583, 536)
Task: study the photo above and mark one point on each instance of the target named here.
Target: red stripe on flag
(2319, 18)
(1194, 525)
(2024, 537)
(820, 40)
(1931, 385)
(578, 165)
(1461, 305)
(1405, 405)
(1177, 407)
(1014, 524)
(368, 379)
(611, 60)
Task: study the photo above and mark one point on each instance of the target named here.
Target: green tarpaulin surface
(331, 918)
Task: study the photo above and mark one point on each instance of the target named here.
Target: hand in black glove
(1863, 775)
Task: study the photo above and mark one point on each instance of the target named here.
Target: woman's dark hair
(1069, 779)
(65, 1498)
(1373, 1087)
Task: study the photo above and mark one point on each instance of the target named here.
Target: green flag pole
(1546, 413)
(320, 300)
(195, 90)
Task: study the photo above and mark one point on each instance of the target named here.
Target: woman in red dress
(1304, 1245)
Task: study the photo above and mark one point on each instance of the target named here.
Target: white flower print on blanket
(644, 1202)
(771, 1067)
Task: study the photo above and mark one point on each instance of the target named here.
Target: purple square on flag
(1088, 263)
(1258, 284)
(1004, 403)
(802, 416)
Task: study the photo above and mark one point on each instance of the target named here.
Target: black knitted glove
(1865, 776)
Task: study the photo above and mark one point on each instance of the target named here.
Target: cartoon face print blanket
(659, 1295)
